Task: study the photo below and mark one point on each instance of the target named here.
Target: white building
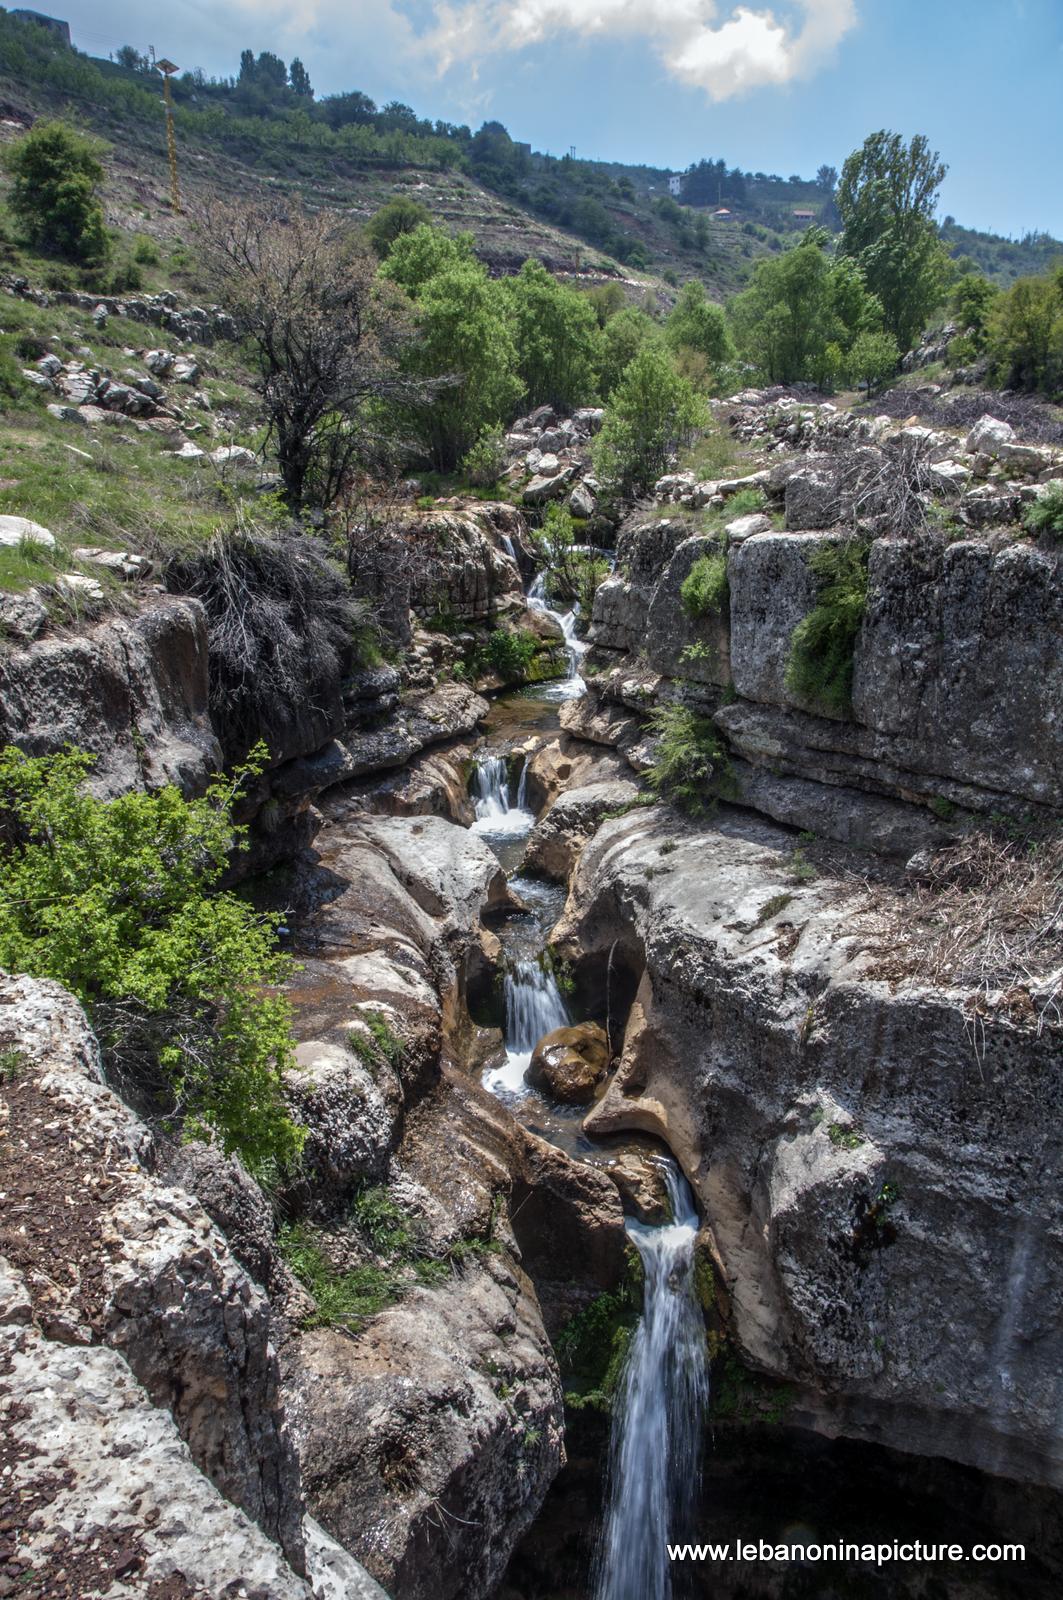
(675, 184)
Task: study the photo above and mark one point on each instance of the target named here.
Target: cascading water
(534, 1007)
(575, 649)
(655, 1450)
(490, 796)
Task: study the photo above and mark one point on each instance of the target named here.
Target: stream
(657, 1425)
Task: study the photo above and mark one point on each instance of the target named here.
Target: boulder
(813, 500)
(21, 530)
(110, 1256)
(544, 487)
(745, 527)
(988, 435)
(133, 691)
(569, 1063)
(640, 1178)
(23, 617)
(559, 836)
(581, 502)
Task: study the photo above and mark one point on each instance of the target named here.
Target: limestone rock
(21, 530)
(559, 836)
(569, 1063)
(988, 435)
(131, 690)
(867, 1180)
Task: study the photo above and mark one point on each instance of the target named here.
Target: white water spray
(534, 1008)
(490, 796)
(575, 649)
(655, 1450)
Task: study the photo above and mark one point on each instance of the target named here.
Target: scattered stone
(185, 370)
(745, 527)
(79, 587)
(226, 454)
(124, 563)
(988, 435)
(189, 452)
(159, 362)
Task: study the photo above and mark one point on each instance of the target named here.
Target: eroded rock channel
(543, 1016)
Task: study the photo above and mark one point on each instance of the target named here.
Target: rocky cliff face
(138, 1376)
(955, 666)
(874, 1158)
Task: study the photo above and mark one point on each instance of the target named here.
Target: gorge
(534, 999)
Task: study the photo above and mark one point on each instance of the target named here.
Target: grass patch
(379, 1044)
(1044, 516)
(704, 591)
(691, 769)
(342, 1299)
(842, 1137)
(713, 455)
(777, 903)
(820, 668)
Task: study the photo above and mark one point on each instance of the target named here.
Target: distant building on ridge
(54, 24)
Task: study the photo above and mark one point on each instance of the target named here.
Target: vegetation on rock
(820, 668)
(119, 901)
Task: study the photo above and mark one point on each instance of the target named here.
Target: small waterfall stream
(573, 686)
(490, 796)
(655, 1449)
(533, 1008)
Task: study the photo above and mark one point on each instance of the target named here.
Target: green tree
(873, 358)
(802, 312)
(557, 338)
(651, 413)
(55, 192)
(398, 216)
(299, 79)
(622, 338)
(886, 199)
(119, 901)
(463, 339)
(697, 323)
(1025, 334)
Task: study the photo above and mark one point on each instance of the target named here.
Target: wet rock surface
(569, 1063)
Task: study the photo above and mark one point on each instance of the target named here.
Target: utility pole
(167, 68)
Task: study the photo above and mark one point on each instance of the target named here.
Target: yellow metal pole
(166, 68)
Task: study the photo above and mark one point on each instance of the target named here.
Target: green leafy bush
(651, 413)
(511, 653)
(1045, 514)
(118, 900)
(54, 194)
(820, 668)
(485, 463)
(704, 590)
(691, 768)
(591, 1348)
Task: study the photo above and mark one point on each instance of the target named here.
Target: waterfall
(575, 649)
(655, 1450)
(534, 1007)
(490, 796)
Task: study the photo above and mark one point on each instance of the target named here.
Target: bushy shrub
(284, 628)
(691, 767)
(820, 668)
(485, 463)
(119, 901)
(396, 217)
(704, 590)
(1045, 514)
(511, 653)
(54, 194)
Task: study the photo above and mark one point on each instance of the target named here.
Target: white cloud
(725, 52)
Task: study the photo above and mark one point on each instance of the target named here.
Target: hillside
(586, 217)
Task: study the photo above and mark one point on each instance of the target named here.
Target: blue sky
(773, 85)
